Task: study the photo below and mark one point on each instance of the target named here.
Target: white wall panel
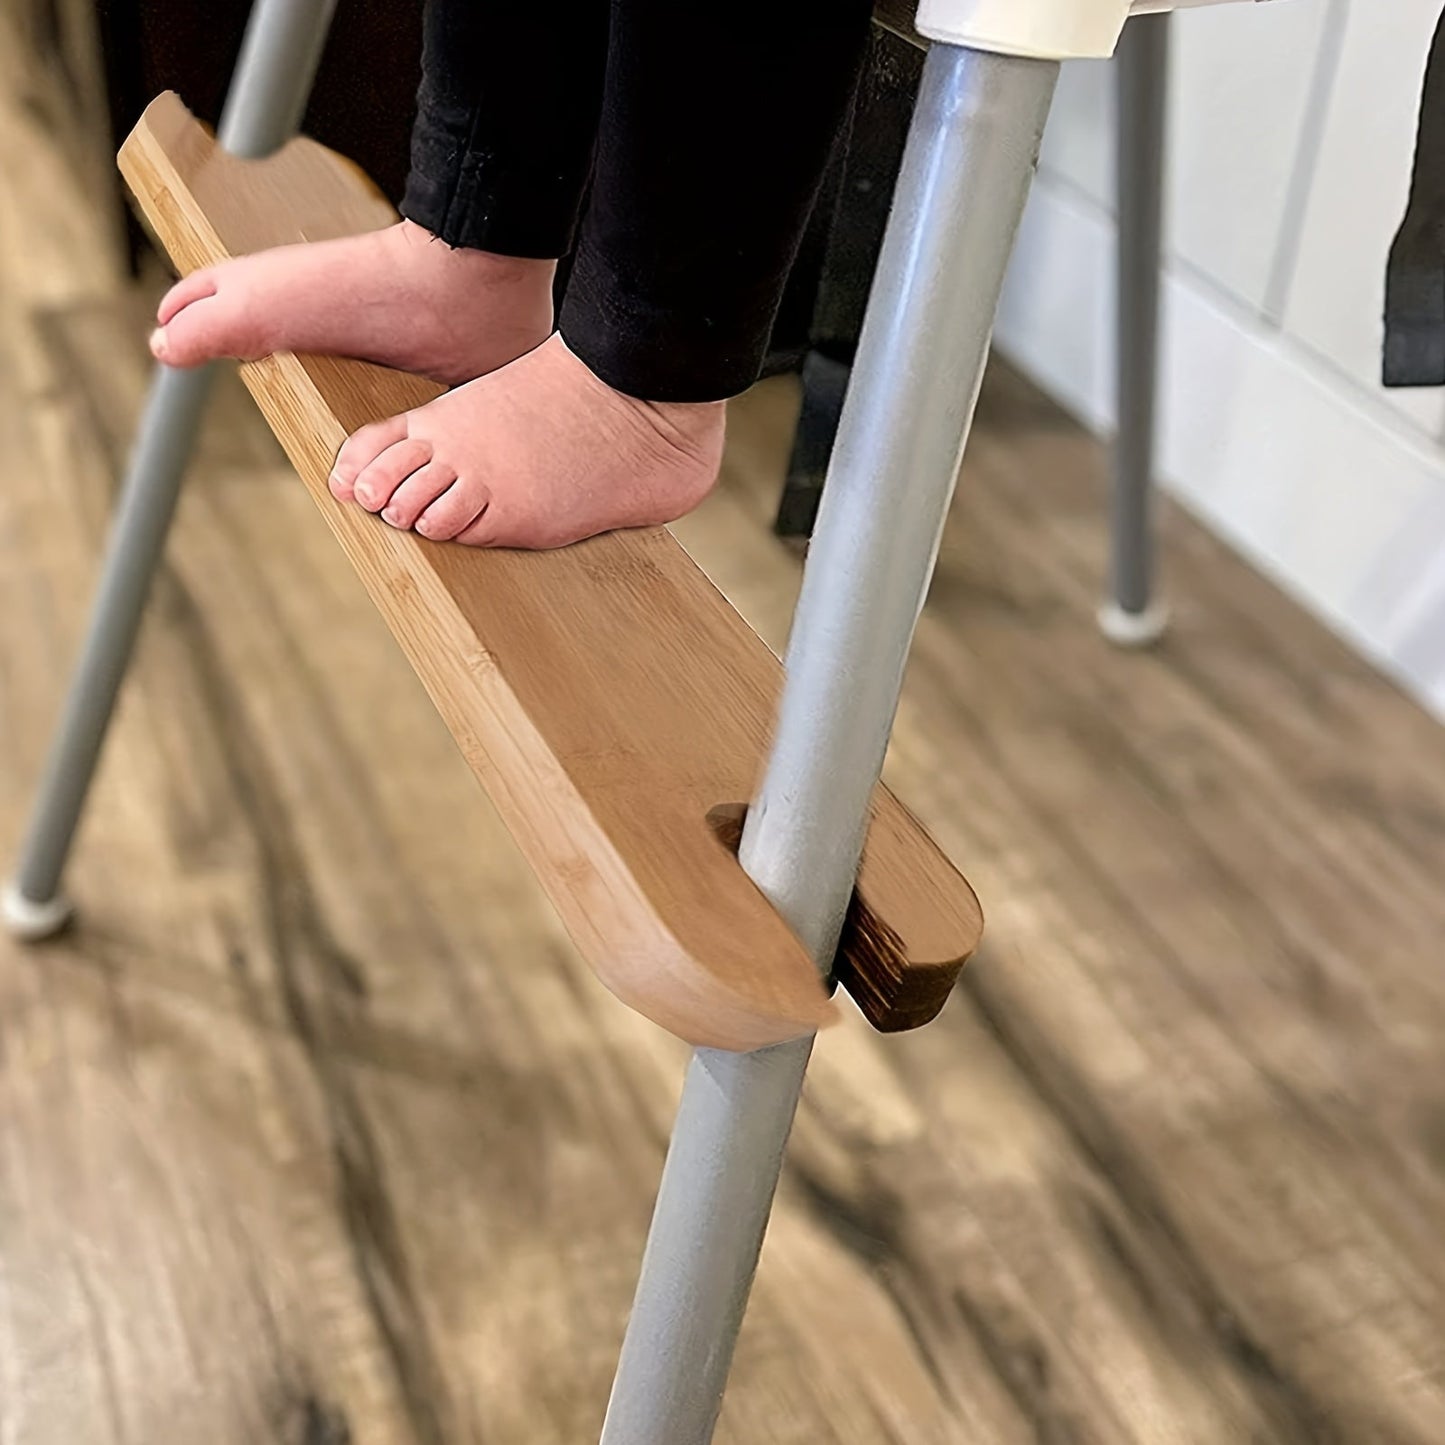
(1240, 80)
(1336, 298)
(1291, 122)
(1309, 475)
(1079, 141)
(1240, 84)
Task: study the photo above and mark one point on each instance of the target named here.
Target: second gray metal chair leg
(1133, 616)
(33, 905)
(268, 95)
(960, 196)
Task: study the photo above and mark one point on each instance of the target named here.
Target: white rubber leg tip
(1133, 629)
(30, 921)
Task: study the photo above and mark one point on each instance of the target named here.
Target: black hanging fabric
(1415, 281)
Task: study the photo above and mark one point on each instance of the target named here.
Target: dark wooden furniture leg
(859, 214)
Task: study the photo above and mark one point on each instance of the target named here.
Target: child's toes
(190, 288)
(381, 476)
(363, 446)
(454, 511)
(417, 493)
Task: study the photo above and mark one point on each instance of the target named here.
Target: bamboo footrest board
(606, 695)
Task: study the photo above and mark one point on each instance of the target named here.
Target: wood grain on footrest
(607, 695)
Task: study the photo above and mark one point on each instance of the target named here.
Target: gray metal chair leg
(1133, 616)
(960, 196)
(33, 905)
(267, 98)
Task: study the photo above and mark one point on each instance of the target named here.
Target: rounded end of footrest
(30, 921)
(1133, 629)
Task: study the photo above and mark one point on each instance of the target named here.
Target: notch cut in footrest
(607, 696)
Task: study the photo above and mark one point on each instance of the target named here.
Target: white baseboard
(1327, 488)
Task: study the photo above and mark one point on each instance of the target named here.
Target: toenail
(158, 341)
(392, 516)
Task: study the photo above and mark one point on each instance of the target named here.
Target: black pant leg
(716, 127)
(506, 122)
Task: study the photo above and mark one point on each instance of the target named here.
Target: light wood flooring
(315, 1132)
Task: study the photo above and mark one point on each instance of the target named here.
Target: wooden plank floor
(317, 1133)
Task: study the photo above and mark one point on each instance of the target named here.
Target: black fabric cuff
(641, 345)
(470, 199)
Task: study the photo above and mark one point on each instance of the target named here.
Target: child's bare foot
(398, 296)
(539, 454)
